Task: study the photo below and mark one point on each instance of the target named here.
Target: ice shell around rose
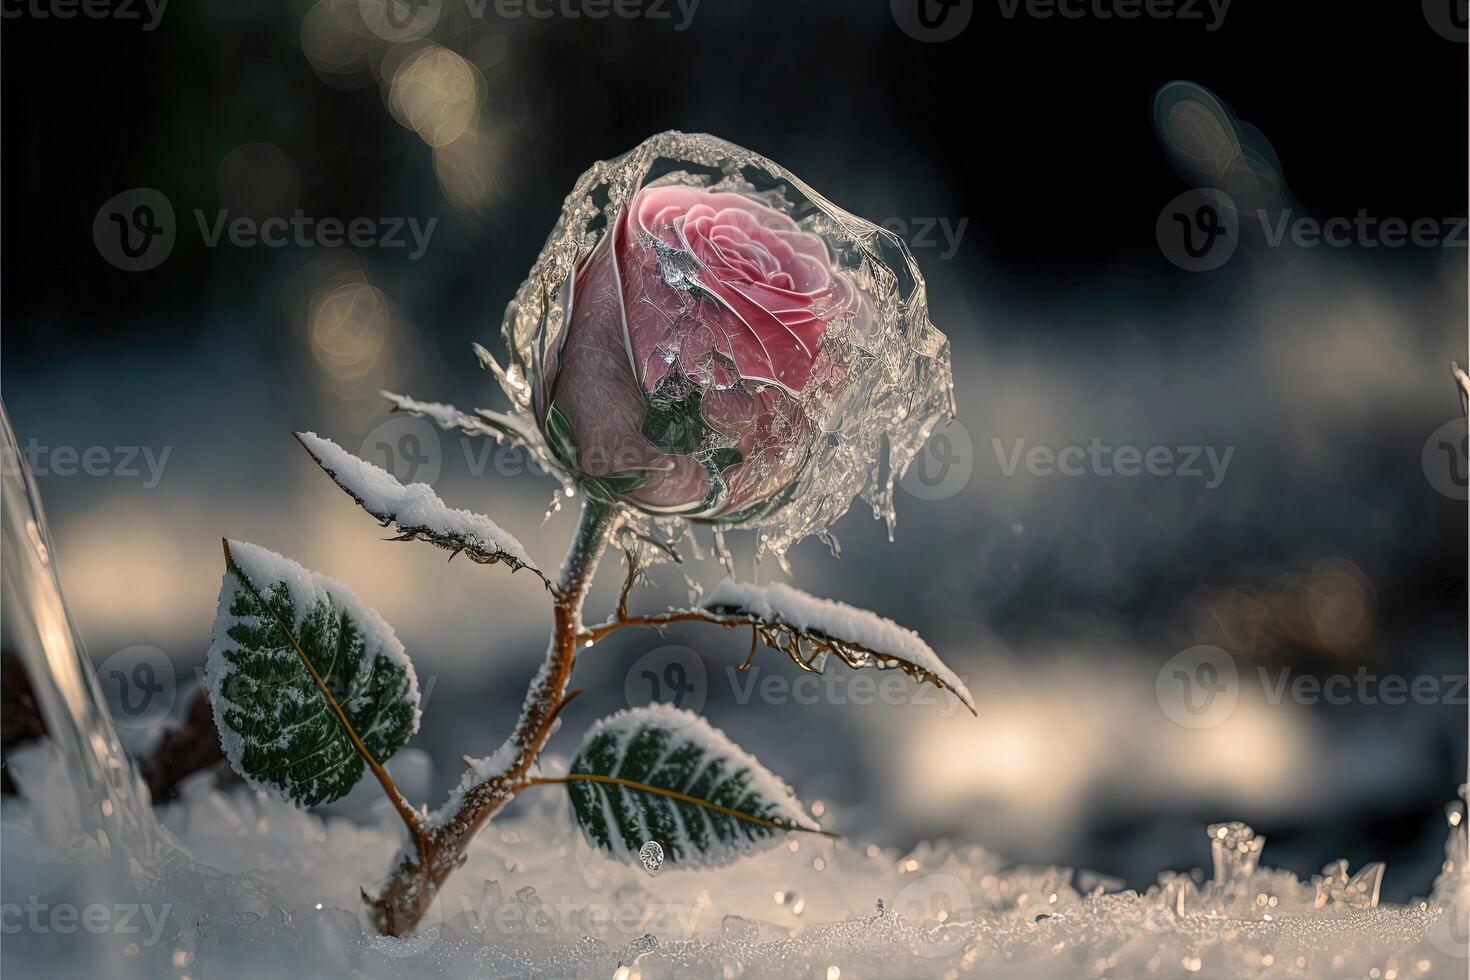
(866, 430)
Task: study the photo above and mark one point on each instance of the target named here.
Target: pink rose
(695, 335)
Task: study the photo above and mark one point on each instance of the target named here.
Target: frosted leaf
(651, 856)
(811, 625)
(416, 509)
(282, 634)
(883, 377)
(662, 773)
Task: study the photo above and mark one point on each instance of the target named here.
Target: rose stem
(411, 887)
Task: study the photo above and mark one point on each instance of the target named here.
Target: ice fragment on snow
(651, 856)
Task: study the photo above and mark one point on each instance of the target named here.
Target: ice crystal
(651, 856)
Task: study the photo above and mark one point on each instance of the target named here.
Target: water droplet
(651, 856)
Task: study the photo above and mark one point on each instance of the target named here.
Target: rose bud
(715, 340)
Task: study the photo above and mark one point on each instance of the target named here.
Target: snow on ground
(280, 899)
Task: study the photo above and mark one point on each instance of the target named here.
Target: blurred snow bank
(273, 892)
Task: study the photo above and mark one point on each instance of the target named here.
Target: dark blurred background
(1023, 161)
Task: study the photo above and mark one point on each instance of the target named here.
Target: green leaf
(661, 773)
(309, 685)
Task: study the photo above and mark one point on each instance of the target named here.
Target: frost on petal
(863, 638)
(416, 509)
